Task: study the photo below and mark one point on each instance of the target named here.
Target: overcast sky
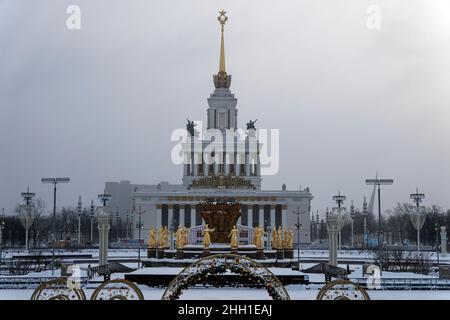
(99, 104)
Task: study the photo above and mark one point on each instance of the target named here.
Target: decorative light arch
(342, 289)
(58, 289)
(117, 289)
(251, 272)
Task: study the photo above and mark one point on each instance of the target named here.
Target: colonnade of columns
(238, 164)
(165, 216)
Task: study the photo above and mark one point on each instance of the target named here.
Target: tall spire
(221, 79)
(222, 20)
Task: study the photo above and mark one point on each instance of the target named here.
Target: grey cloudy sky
(99, 104)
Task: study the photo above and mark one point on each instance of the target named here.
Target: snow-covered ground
(133, 253)
(296, 292)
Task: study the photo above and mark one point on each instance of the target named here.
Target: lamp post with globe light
(340, 213)
(26, 214)
(417, 216)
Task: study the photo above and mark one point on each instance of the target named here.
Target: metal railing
(102, 270)
(29, 282)
(406, 283)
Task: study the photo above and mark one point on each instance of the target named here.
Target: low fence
(29, 282)
(405, 283)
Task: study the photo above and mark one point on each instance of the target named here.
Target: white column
(247, 165)
(227, 163)
(181, 215)
(258, 167)
(170, 215)
(192, 215)
(272, 216)
(195, 164)
(261, 215)
(103, 232)
(284, 218)
(332, 227)
(205, 169)
(237, 164)
(158, 216)
(250, 216)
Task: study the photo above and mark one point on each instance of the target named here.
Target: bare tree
(399, 215)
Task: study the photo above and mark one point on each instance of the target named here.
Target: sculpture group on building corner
(190, 127)
(251, 125)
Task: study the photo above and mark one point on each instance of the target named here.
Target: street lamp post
(2, 227)
(437, 228)
(418, 219)
(117, 224)
(378, 182)
(127, 224)
(104, 198)
(92, 212)
(54, 181)
(339, 200)
(139, 227)
(365, 222)
(27, 213)
(298, 226)
(79, 210)
(352, 216)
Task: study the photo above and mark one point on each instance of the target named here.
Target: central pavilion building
(232, 177)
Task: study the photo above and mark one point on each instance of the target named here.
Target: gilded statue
(185, 234)
(258, 236)
(234, 237)
(152, 243)
(164, 237)
(206, 236)
(279, 238)
(161, 237)
(274, 239)
(179, 238)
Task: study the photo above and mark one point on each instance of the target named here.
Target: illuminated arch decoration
(58, 289)
(342, 289)
(251, 274)
(118, 289)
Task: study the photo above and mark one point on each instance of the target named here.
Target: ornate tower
(236, 164)
(222, 112)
